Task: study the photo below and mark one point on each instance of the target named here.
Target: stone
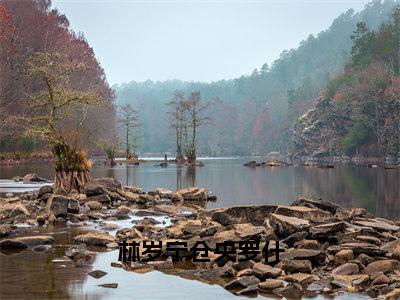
(325, 230)
(306, 213)
(58, 205)
(295, 266)
(252, 289)
(95, 238)
(109, 184)
(92, 189)
(244, 272)
(109, 285)
(323, 205)
(6, 229)
(110, 226)
(18, 210)
(385, 266)
(128, 233)
(124, 210)
(316, 257)
(382, 279)
(97, 274)
(394, 294)
(46, 189)
(343, 256)
(248, 231)
(33, 178)
(164, 193)
(346, 269)
(252, 214)
(369, 239)
(295, 237)
(284, 225)
(270, 284)
(378, 225)
(396, 253)
(191, 194)
(26, 241)
(41, 248)
(292, 290)
(73, 206)
(308, 244)
(103, 198)
(242, 282)
(265, 271)
(391, 246)
(301, 278)
(94, 205)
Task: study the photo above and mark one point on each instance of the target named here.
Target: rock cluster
(327, 248)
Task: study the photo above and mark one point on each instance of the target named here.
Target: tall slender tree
(178, 121)
(129, 122)
(195, 109)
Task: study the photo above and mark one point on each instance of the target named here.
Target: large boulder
(95, 238)
(33, 178)
(164, 193)
(46, 189)
(191, 194)
(26, 241)
(92, 188)
(301, 212)
(58, 205)
(284, 225)
(242, 282)
(326, 230)
(379, 225)
(253, 214)
(264, 271)
(385, 266)
(109, 184)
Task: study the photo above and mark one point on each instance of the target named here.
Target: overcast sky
(198, 40)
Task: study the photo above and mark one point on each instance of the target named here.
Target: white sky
(195, 40)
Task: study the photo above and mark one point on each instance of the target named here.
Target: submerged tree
(50, 108)
(129, 122)
(178, 119)
(195, 109)
(111, 149)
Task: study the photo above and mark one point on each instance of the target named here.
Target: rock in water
(97, 274)
(95, 238)
(26, 241)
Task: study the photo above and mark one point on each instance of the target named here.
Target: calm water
(376, 189)
(29, 275)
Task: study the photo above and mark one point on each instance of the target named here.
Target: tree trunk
(67, 181)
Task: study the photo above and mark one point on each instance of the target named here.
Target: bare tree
(195, 109)
(178, 119)
(129, 122)
(46, 112)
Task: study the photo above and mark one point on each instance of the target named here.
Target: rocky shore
(327, 249)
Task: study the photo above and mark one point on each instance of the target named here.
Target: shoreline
(327, 249)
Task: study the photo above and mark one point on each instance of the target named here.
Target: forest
(250, 115)
(254, 114)
(358, 113)
(31, 33)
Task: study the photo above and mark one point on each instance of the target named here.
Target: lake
(31, 275)
(375, 189)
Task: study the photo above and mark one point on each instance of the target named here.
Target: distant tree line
(256, 113)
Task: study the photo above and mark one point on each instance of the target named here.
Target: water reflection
(375, 189)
